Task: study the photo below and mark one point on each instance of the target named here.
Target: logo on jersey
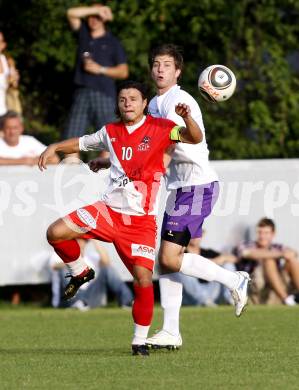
(143, 251)
(146, 139)
(121, 181)
(113, 139)
(86, 218)
(145, 144)
(172, 223)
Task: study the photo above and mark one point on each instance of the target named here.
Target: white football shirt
(190, 163)
(28, 146)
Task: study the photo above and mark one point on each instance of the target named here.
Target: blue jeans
(97, 290)
(95, 295)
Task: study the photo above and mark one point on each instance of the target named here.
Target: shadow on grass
(119, 352)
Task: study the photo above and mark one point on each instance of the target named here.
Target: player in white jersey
(193, 186)
(126, 213)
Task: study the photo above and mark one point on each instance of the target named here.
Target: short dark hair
(167, 49)
(266, 222)
(127, 84)
(10, 115)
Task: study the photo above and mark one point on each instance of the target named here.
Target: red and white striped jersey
(136, 155)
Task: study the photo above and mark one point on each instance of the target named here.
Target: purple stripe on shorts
(188, 207)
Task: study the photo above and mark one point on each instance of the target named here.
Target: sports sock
(142, 311)
(200, 267)
(140, 334)
(77, 267)
(69, 252)
(171, 291)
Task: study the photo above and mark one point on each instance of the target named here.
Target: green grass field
(67, 349)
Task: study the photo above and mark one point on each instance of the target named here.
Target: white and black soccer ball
(217, 83)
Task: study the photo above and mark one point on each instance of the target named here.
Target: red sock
(143, 305)
(68, 250)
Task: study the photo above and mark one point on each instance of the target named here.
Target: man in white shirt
(16, 148)
(193, 186)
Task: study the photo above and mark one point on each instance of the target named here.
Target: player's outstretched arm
(67, 146)
(192, 133)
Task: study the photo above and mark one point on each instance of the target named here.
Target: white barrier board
(31, 200)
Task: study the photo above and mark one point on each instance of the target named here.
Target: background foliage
(258, 40)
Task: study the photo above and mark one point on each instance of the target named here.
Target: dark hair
(266, 222)
(167, 49)
(10, 115)
(142, 88)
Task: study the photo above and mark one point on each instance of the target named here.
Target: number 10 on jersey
(126, 153)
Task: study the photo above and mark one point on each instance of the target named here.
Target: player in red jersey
(125, 214)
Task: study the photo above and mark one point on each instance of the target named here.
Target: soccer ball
(217, 83)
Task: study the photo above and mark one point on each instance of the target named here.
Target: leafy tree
(257, 40)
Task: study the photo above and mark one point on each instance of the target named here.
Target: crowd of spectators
(101, 60)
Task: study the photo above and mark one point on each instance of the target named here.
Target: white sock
(140, 334)
(200, 267)
(171, 292)
(77, 267)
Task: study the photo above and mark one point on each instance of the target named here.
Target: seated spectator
(93, 294)
(16, 148)
(268, 264)
(201, 292)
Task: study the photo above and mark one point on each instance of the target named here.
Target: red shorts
(134, 237)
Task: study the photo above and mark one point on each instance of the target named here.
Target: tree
(257, 40)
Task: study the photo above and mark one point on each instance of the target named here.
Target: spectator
(269, 264)
(95, 293)
(100, 60)
(4, 76)
(200, 292)
(18, 149)
(12, 94)
(9, 82)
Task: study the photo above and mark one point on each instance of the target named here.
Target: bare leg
(143, 277)
(274, 278)
(194, 245)
(292, 267)
(60, 231)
